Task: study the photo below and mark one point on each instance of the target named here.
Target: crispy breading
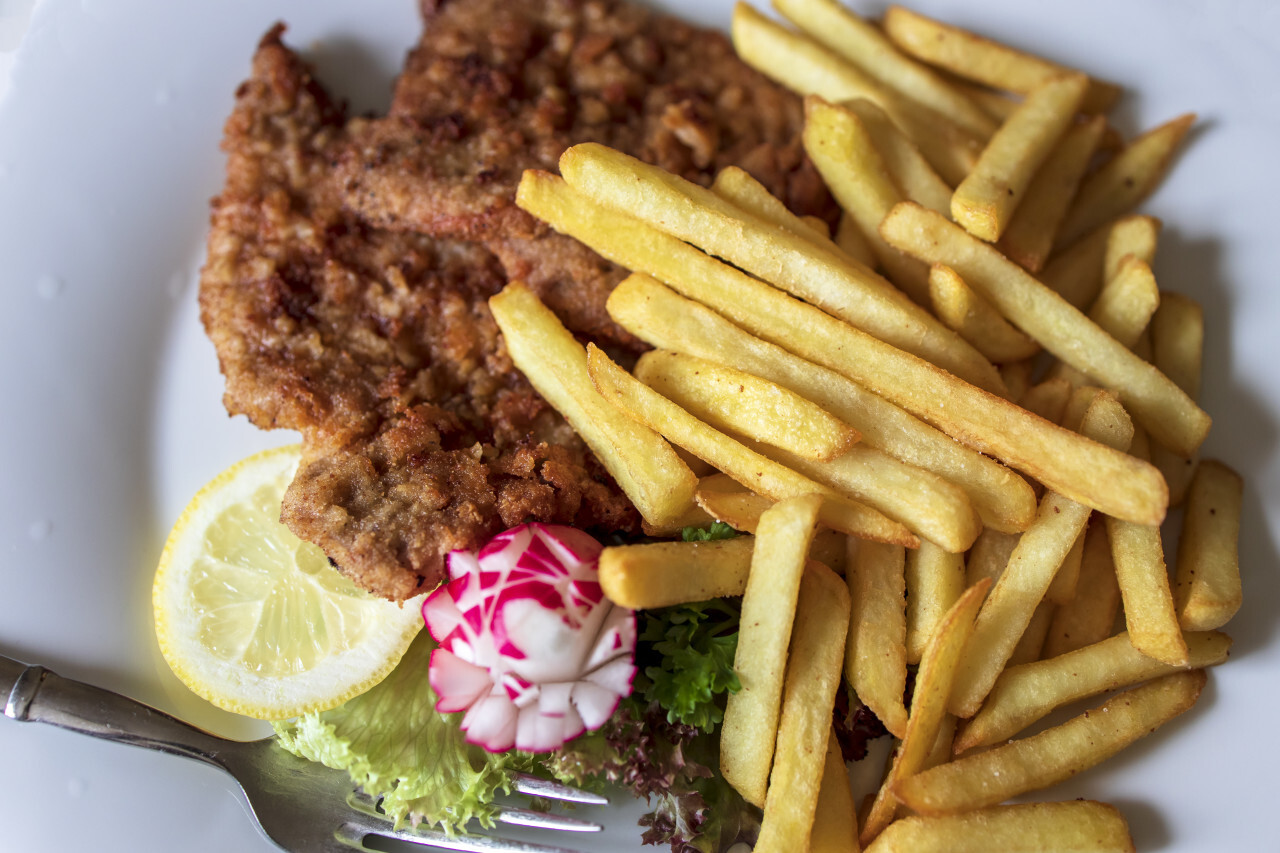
(419, 434)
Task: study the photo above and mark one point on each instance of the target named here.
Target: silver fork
(300, 805)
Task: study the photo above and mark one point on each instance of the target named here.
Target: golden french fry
(737, 186)
(1207, 587)
(985, 200)
(658, 315)
(1029, 237)
(835, 821)
(1017, 377)
(910, 171)
(742, 510)
(660, 574)
(735, 401)
(1079, 826)
(989, 556)
(799, 63)
(1130, 235)
(926, 504)
(749, 468)
(974, 319)
(1149, 611)
(813, 676)
(1107, 480)
(982, 60)
(1078, 272)
(1123, 309)
(863, 44)
(843, 151)
(998, 105)
(643, 463)
(1032, 565)
(1024, 694)
(935, 581)
(933, 684)
(853, 242)
(1156, 402)
(832, 281)
(750, 724)
(1031, 642)
(1044, 759)
(1177, 349)
(1048, 399)
(1124, 180)
(1063, 588)
(817, 225)
(1091, 614)
(876, 658)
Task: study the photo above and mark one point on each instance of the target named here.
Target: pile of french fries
(972, 401)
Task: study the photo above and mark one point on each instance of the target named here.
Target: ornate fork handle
(39, 695)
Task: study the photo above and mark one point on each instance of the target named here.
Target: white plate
(111, 396)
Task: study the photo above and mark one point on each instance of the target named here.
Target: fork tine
(535, 786)
(353, 832)
(544, 820)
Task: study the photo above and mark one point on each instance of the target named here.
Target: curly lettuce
(396, 745)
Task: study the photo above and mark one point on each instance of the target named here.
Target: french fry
(935, 581)
(735, 401)
(741, 510)
(910, 171)
(1207, 587)
(1017, 377)
(1029, 237)
(1090, 615)
(799, 63)
(750, 724)
(643, 463)
(658, 315)
(1155, 401)
(661, 574)
(1078, 272)
(985, 200)
(853, 242)
(1078, 826)
(1177, 343)
(876, 658)
(998, 105)
(1024, 694)
(926, 504)
(749, 468)
(933, 684)
(1063, 588)
(1031, 643)
(974, 319)
(1032, 565)
(816, 224)
(982, 60)
(1123, 309)
(813, 676)
(1099, 476)
(989, 556)
(1124, 180)
(1149, 611)
(835, 821)
(863, 44)
(737, 186)
(832, 281)
(1048, 399)
(1035, 762)
(1130, 235)
(838, 143)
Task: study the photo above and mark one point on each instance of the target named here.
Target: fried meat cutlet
(419, 434)
(494, 88)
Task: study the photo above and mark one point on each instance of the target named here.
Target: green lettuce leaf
(396, 745)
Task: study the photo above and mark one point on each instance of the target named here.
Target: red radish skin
(531, 651)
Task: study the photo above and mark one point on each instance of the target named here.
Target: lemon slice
(257, 621)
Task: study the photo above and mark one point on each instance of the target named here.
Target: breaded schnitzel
(350, 263)
(419, 434)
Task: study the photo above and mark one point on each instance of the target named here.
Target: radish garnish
(530, 648)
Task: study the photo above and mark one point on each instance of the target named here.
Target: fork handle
(39, 695)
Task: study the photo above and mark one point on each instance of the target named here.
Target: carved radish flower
(530, 648)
